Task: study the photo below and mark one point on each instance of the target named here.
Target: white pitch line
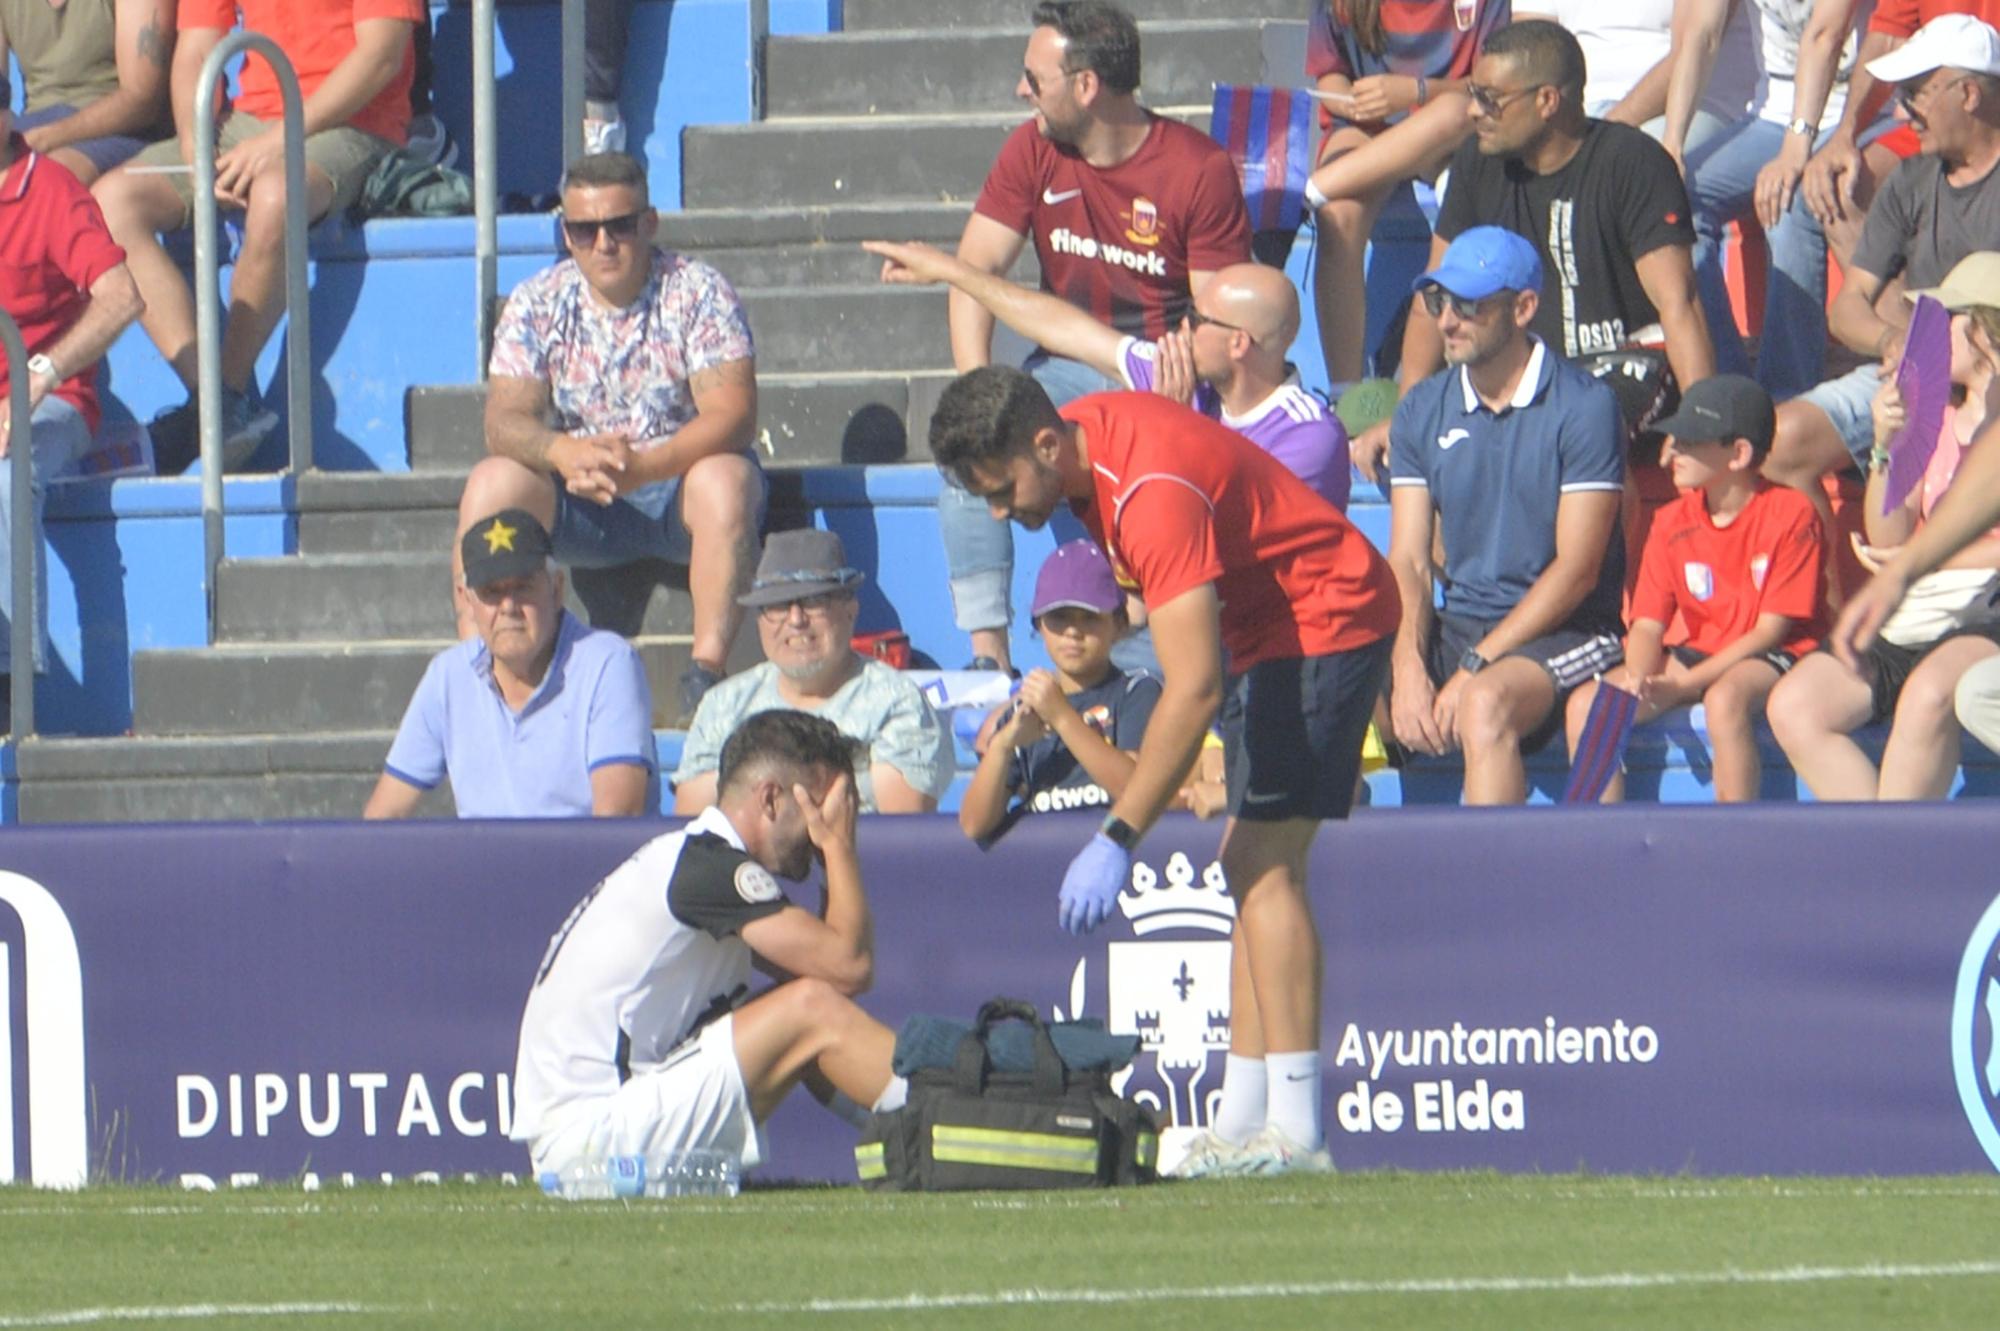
(1617, 1280)
(92, 1316)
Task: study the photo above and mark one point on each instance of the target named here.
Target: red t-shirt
(1120, 241)
(315, 35)
(1900, 18)
(53, 248)
(1766, 562)
(1182, 500)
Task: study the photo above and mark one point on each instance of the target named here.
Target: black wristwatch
(1472, 662)
(1120, 833)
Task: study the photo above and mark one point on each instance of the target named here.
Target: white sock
(1241, 1112)
(841, 1106)
(893, 1095)
(1294, 1095)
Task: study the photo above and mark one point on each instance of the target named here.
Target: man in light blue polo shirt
(539, 716)
(1520, 457)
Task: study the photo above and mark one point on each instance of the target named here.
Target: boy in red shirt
(1230, 552)
(1738, 558)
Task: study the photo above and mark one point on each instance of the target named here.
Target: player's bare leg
(804, 1025)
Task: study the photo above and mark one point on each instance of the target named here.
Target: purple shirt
(1291, 425)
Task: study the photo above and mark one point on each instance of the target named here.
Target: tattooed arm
(144, 50)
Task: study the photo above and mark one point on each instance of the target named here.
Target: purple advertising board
(1792, 989)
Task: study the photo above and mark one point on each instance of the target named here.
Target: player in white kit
(641, 1036)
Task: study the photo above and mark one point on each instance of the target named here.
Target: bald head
(1258, 299)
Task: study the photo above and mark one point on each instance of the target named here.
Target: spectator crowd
(1596, 478)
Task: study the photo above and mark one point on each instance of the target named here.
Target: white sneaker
(1210, 1156)
(1272, 1152)
(603, 136)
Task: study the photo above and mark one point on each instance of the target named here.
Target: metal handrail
(485, 184)
(208, 296)
(572, 80)
(21, 458)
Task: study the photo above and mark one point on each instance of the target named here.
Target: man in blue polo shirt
(538, 716)
(1520, 457)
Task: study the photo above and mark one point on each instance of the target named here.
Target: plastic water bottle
(700, 1172)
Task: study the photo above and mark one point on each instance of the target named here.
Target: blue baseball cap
(1482, 261)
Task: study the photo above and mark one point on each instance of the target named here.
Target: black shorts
(1572, 654)
(1292, 731)
(1777, 658)
(1888, 665)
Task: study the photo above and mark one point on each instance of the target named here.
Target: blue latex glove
(1093, 881)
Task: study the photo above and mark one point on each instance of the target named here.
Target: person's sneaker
(431, 141)
(245, 423)
(603, 136)
(1211, 1156)
(696, 681)
(176, 440)
(1272, 1152)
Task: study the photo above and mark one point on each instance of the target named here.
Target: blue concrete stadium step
(825, 417)
(865, 159)
(194, 779)
(890, 14)
(920, 69)
(305, 688)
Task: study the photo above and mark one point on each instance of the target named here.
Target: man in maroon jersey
(1130, 213)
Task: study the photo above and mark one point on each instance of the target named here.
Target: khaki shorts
(344, 156)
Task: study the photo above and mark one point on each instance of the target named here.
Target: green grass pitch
(1366, 1250)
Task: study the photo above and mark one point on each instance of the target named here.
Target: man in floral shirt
(621, 406)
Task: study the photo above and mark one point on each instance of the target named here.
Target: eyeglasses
(1493, 102)
(817, 606)
(582, 231)
(1907, 97)
(1196, 319)
(1035, 84)
(1436, 298)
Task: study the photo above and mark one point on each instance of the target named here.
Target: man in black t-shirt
(1602, 203)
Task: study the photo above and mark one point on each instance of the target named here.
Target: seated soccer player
(640, 1035)
(1738, 558)
(1068, 740)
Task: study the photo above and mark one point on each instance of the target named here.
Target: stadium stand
(335, 592)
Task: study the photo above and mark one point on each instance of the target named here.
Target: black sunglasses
(1035, 84)
(1492, 101)
(582, 232)
(1436, 298)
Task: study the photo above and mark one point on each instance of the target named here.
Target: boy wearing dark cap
(1738, 559)
(1069, 738)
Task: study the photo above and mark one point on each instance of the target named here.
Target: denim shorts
(1845, 401)
(1292, 730)
(645, 524)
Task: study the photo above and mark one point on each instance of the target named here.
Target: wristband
(1423, 90)
(1120, 833)
(1315, 196)
(1878, 458)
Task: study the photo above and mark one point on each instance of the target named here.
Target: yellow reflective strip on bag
(868, 1162)
(1013, 1150)
(1147, 1151)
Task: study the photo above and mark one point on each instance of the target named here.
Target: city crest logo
(1169, 985)
(1975, 1032)
(1145, 229)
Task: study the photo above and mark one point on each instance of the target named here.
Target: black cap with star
(510, 544)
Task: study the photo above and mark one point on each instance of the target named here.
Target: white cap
(1949, 41)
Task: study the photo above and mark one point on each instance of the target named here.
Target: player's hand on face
(830, 820)
(912, 264)
(1173, 367)
(1412, 713)
(1369, 451)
